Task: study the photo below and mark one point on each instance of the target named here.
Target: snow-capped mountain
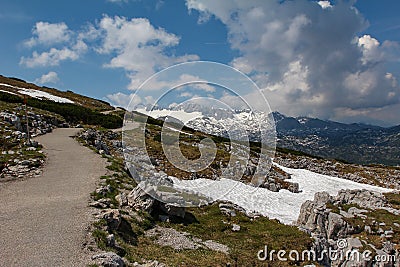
(356, 142)
(234, 124)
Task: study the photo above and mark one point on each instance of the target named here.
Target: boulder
(140, 200)
(336, 227)
(362, 198)
(122, 199)
(173, 210)
(109, 259)
(113, 218)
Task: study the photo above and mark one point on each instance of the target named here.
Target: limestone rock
(139, 200)
(113, 218)
(109, 259)
(122, 199)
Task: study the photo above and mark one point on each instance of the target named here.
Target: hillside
(21, 88)
(74, 108)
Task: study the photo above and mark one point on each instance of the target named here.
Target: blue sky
(334, 60)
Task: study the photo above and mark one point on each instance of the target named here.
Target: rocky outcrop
(104, 141)
(24, 159)
(138, 199)
(278, 179)
(113, 219)
(361, 198)
(332, 231)
(109, 259)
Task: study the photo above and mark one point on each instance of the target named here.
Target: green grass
(207, 223)
(394, 199)
(100, 237)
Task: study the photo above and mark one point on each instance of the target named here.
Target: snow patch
(8, 92)
(38, 94)
(283, 205)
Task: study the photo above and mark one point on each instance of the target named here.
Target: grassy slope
(81, 100)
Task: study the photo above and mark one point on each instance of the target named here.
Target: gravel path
(43, 219)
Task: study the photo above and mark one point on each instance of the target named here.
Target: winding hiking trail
(43, 219)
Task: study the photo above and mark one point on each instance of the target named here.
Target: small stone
(25, 162)
(111, 240)
(354, 243)
(368, 229)
(235, 227)
(163, 218)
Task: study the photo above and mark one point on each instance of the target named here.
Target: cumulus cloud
(48, 34)
(123, 100)
(51, 77)
(137, 47)
(307, 56)
(53, 57)
(133, 45)
(325, 4)
(65, 45)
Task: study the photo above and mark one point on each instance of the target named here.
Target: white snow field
(38, 94)
(283, 205)
(179, 114)
(11, 93)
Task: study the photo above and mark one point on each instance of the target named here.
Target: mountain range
(356, 142)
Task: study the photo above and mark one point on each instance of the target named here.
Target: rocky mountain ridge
(355, 143)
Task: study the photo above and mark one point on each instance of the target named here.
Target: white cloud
(123, 100)
(370, 48)
(51, 77)
(186, 94)
(65, 44)
(133, 45)
(49, 33)
(137, 47)
(307, 60)
(325, 4)
(53, 57)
